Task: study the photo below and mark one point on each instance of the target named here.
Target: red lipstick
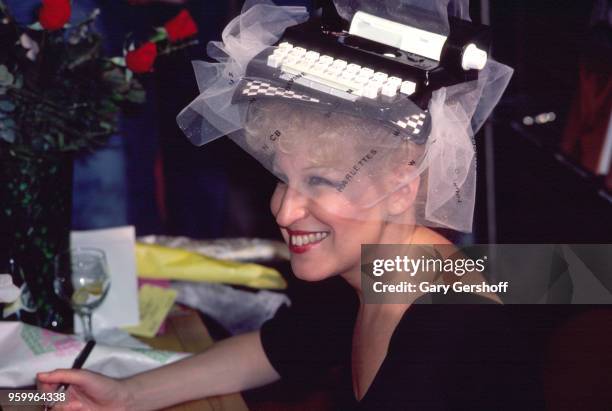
(301, 249)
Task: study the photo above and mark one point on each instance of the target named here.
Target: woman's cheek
(277, 197)
(338, 207)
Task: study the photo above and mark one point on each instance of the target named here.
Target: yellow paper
(159, 262)
(154, 303)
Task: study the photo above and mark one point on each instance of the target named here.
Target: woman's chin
(306, 273)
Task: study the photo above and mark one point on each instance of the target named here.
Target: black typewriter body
(403, 75)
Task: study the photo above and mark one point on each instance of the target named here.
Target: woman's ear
(402, 199)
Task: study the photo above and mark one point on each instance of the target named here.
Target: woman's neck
(390, 234)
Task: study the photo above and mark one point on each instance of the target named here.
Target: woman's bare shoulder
(425, 235)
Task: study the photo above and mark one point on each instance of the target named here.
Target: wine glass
(82, 280)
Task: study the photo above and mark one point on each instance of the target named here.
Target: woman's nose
(293, 207)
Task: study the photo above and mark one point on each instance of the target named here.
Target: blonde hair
(322, 136)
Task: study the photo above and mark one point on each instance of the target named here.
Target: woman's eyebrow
(323, 168)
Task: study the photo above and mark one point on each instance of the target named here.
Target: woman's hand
(234, 364)
(88, 391)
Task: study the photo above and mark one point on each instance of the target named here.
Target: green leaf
(137, 96)
(114, 76)
(6, 106)
(36, 26)
(7, 123)
(161, 34)
(18, 81)
(7, 135)
(120, 61)
(106, 126)
(6, 78)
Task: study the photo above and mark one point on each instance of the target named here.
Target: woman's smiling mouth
(302, 241)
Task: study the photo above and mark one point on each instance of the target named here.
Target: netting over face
(354, 160)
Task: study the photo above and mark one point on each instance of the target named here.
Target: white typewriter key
(333, 73)
(290, 62)
(275, 60)
(380, 76)
(353, 68)
(312, 56)
(299, 50)
(347, 75)
(319, 67)
(326, 59)
(357, 84)
(328, 74)
(361, 80)
(395, 80)
(339, 63)
(408, 87)
(389, 89)
(371, 90)
(285, 45)
(304, 65)
(346, 80)
(280, 54)
(366, 72)
(292, 58)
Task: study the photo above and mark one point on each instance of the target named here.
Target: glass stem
(87, 330)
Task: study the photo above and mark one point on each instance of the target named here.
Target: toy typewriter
(369, 60)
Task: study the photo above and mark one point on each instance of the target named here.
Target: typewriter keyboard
(335, 76)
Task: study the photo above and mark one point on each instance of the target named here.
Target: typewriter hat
(362, 154)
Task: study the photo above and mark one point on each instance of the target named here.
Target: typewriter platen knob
(473, 58)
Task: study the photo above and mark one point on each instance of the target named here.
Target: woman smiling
(351, 171)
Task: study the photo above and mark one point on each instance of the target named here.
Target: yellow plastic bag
(159, 262)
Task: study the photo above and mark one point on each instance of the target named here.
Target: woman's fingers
(44, 386)
(85, 380)
(87, 390)
(50, 381)
(60, 376)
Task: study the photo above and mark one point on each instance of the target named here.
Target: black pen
(76, 365)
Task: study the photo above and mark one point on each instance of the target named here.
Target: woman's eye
(318, 181)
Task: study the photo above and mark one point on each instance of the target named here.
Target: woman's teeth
(300, 240)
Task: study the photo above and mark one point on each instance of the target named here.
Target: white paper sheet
(26, 350)
(120, 307)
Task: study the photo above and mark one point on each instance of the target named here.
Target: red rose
(54, 14)
(181, 27)
(141, 60)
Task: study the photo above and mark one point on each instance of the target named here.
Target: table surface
(184, 332)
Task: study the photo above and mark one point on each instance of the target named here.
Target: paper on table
(26, 350)
(120, 307)
(155, 303)
(8, 291)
